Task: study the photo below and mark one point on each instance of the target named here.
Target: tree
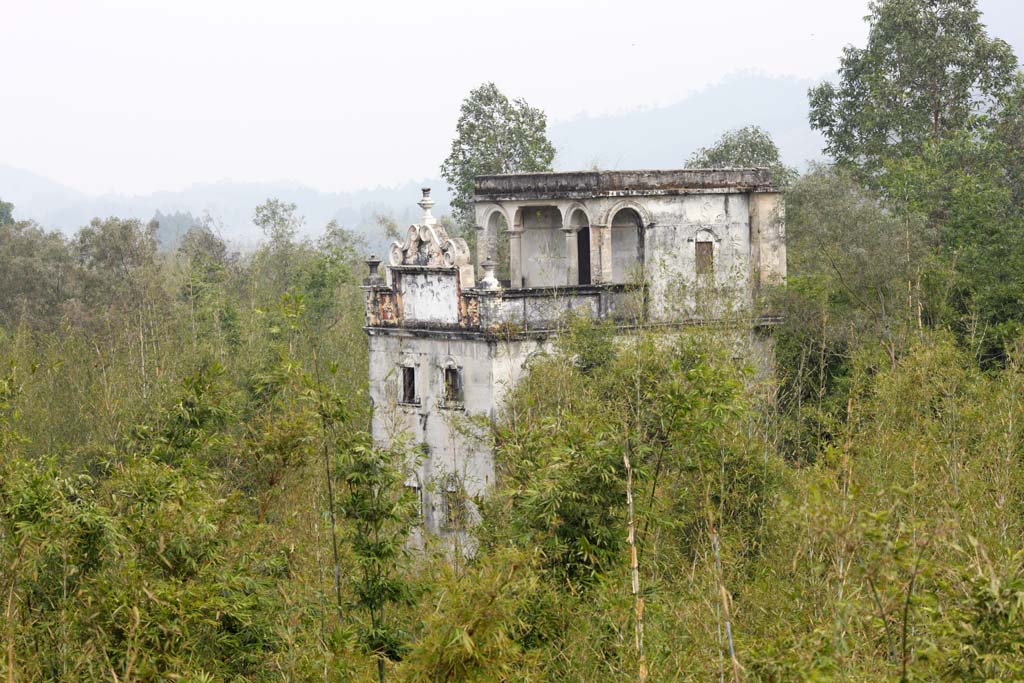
(1008, 133)
(493, 135)
(277, 220)
(37, 276)
(202, 246)
(750, 146)
(928, 69)
(113, 254)
(280, 223)
(6, 212)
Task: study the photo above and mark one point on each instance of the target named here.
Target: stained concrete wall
(670, 263)
(768, 234)
(430, 297)
(489, 368)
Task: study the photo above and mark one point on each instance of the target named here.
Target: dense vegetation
(188, 492)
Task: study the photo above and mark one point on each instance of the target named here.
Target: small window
(412, 484)
(409, 385)
(452, 386)
(453, 502)
(705, 256)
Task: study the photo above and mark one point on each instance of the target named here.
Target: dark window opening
(583, 255)
(452, 386)
(705, 256)
(408, 385)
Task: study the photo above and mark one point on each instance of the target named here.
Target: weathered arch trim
(488, 210)
(516, 222)
(571, 210)
(703, 234)
(645, 216)
(449, 362)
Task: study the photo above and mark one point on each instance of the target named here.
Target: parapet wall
(432, 299)
(585, 184)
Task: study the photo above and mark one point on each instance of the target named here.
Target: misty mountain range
(661, 137)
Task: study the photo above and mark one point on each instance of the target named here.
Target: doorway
(583, 254)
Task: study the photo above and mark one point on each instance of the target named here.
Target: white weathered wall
(671, 225)
(489, 368)
(429, 297)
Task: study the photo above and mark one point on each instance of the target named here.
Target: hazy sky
(132, 96)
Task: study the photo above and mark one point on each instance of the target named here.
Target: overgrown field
(188, 492)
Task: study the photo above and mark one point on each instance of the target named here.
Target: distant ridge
(661, 137)
(230, 204)
(665, 137)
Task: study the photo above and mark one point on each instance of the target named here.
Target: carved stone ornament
(428, 243)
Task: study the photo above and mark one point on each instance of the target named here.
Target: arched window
(453, 503)
(410, 394)
(704, 247)
(579, 222)
(496, 234)
(453, 397)
(412, 483)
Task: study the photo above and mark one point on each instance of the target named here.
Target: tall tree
(929, 68)
(493, 135)
(744, 147)
(6, 212)
(280, 222)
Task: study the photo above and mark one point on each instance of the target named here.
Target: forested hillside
(188, 491)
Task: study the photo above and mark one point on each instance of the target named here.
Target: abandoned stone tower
(447, 339)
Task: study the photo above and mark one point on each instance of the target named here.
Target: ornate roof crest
(428, 243)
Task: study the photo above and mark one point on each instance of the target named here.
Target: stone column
(600, 254)
(483, 249)
(572, 270)
(515, 257)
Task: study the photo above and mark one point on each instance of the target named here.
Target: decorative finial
(373, 263)
(489, 281)
(426, 203)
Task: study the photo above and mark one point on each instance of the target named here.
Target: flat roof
(581, 184)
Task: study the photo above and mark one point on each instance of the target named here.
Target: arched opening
(579, 222)
(543, 247)
(627, 246)
(497, 244)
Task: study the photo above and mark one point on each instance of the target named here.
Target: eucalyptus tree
(929, 69)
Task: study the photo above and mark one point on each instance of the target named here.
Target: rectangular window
(705, 257)
(452, 386)
(408, 385)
